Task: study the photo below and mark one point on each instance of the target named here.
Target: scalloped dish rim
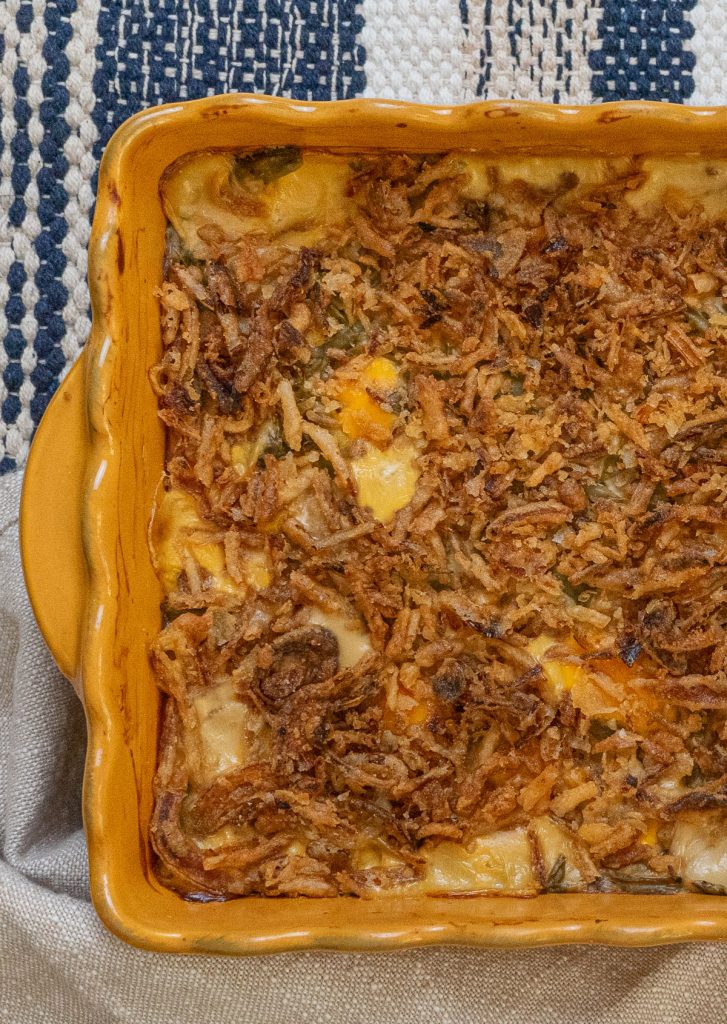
(121, 455)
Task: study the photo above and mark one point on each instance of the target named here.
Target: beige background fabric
(58, 965)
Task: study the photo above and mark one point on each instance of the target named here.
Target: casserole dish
(90, 485)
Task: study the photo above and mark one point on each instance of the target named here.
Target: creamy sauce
(232, 731)
(176, 516)
(561, 675)
(228, 727)
(353, 643)
(700, 846)
(544, 172)
(375, 854)
(296, 208)
(225, 836)
(245, 454)
(683, 181)
(677, 180)
(557, 846)
(500, 862)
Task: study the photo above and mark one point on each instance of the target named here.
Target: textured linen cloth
(70, 72)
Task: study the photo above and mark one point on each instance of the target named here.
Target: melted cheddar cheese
(386, 480)
(362, 415)
(562, 676)
(178, 532)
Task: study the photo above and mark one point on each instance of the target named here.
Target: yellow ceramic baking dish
(89, 486)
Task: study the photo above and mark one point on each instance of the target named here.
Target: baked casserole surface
(441, 530)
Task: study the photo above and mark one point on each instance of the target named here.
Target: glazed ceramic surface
(89, 486)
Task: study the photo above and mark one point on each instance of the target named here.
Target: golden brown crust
(562, 373)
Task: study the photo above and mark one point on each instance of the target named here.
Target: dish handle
(50, 523)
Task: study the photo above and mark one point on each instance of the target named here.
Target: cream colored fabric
(59, 965)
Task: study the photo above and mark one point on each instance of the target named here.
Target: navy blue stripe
(51, 208)
(51, 211)
(307, 49)
(6, 464)
(643, 54)
(14, 309)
